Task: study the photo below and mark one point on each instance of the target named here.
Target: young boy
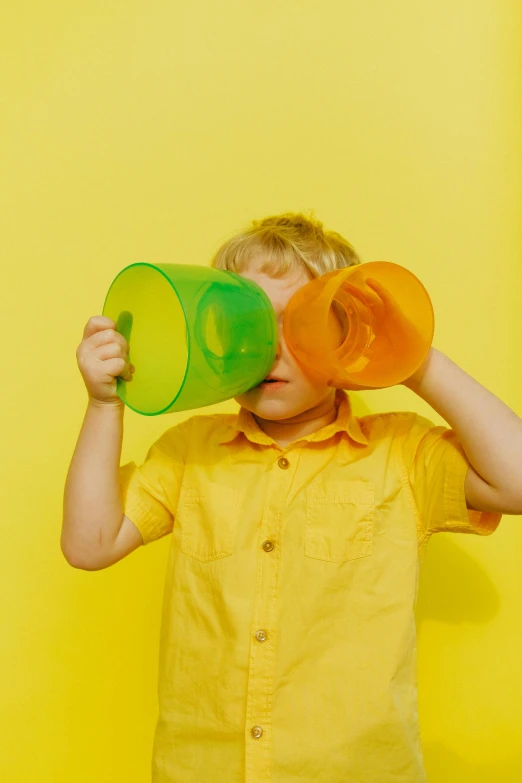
(288, 641)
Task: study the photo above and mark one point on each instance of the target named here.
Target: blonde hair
(285, 244)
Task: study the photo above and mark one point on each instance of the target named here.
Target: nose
(281, 345)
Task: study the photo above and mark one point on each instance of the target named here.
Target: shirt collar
(345, 422)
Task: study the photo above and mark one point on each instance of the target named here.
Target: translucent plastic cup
(345, 333)
(197, 335)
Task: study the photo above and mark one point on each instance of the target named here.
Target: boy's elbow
(80, 563)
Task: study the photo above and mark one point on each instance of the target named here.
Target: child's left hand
(389, 316)
(390, 322)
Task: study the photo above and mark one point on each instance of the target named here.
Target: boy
(288, 646)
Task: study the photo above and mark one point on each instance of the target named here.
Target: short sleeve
(436, 467)
(150, 492)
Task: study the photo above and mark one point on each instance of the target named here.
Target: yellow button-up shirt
(288, 642)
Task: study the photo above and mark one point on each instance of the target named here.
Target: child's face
(299, 391)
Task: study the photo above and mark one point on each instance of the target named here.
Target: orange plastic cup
(370, 324)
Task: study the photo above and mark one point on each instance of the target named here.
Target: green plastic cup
(197, 335)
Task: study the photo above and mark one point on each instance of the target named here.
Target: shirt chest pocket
(340, 520)
(208, 519)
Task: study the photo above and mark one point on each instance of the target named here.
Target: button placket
(260, 693)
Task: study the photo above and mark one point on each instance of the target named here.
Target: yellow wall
(151, 131)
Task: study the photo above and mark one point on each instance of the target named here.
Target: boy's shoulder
(393, 424)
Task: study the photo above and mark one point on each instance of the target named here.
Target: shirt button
(256, 731)
(268, 546)
(261, 636)
(283, 463)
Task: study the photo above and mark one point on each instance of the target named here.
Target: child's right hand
(102, 356)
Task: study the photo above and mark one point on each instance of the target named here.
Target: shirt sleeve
(150, 492)
(436, 466)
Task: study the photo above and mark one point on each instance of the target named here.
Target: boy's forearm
(92, 509)
(488, 430)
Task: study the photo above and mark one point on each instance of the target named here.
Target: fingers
(96, 324)
(101, 330)
(110, 350)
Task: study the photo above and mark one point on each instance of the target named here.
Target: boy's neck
(288, 430)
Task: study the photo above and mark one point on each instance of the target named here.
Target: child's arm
(489, 431)
(93, 531)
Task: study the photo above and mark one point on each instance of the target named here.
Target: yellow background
(154, 130)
